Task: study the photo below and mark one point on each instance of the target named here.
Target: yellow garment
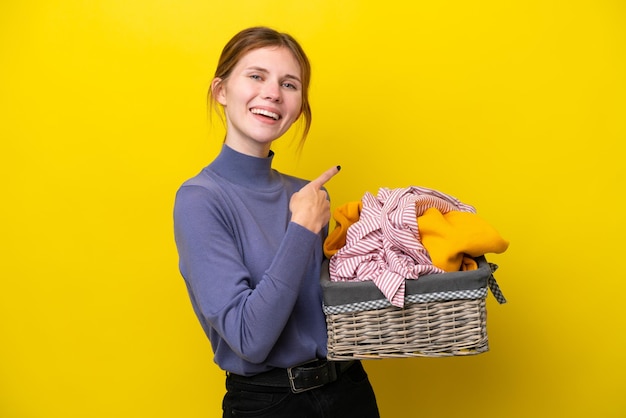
(468, 263)
(449, 237)
(344, 216)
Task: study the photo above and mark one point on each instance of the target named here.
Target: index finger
(326, 175)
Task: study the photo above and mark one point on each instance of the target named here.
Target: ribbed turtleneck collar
(245, 170)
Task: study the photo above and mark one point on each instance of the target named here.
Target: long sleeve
(252, 275)
(249, 317)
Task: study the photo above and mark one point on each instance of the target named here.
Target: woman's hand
(309, 206)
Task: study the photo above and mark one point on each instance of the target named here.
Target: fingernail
(338, 168)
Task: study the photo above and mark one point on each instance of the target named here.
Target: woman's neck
(257, 149)
(246, 170)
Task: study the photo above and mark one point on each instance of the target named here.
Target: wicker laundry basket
(444, 315)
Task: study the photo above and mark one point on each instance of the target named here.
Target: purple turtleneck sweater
(252, 275)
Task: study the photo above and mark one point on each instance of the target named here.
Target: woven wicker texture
(434, 329)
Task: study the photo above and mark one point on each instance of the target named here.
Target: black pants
(350, 396)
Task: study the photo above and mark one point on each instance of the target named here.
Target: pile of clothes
(405, 233)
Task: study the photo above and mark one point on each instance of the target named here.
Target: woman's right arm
(250, 320)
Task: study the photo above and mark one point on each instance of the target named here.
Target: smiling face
(262, 98)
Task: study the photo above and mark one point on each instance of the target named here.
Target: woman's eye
(255, 77)
(290, 86)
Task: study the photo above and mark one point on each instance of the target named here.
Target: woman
(250, 245)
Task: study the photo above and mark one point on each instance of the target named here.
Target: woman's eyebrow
(255, 68)
(293, 77)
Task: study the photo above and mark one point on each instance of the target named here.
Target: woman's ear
(217, 90)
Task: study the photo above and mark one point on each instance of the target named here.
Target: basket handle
(493, 285)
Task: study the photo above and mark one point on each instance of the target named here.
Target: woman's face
(262, 98)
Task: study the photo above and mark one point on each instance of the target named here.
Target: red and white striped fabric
(384, 244)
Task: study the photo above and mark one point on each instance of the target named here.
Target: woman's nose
(271, 92)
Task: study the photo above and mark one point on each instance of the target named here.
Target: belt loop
(333, 371)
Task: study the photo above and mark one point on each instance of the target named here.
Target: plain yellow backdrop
(516, 107)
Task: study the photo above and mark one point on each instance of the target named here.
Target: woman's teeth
(267, 113)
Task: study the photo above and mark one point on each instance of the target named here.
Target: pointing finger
(326, 176)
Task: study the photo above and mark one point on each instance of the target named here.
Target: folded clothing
(345, 215)
(404, 234)
(383, 245)
(449, 237)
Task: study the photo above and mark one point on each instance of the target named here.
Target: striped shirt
(384, 244)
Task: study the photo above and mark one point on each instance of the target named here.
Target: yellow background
(516, 107)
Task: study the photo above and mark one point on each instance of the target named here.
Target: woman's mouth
(265, 113)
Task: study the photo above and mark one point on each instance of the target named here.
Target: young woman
(250, 245)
